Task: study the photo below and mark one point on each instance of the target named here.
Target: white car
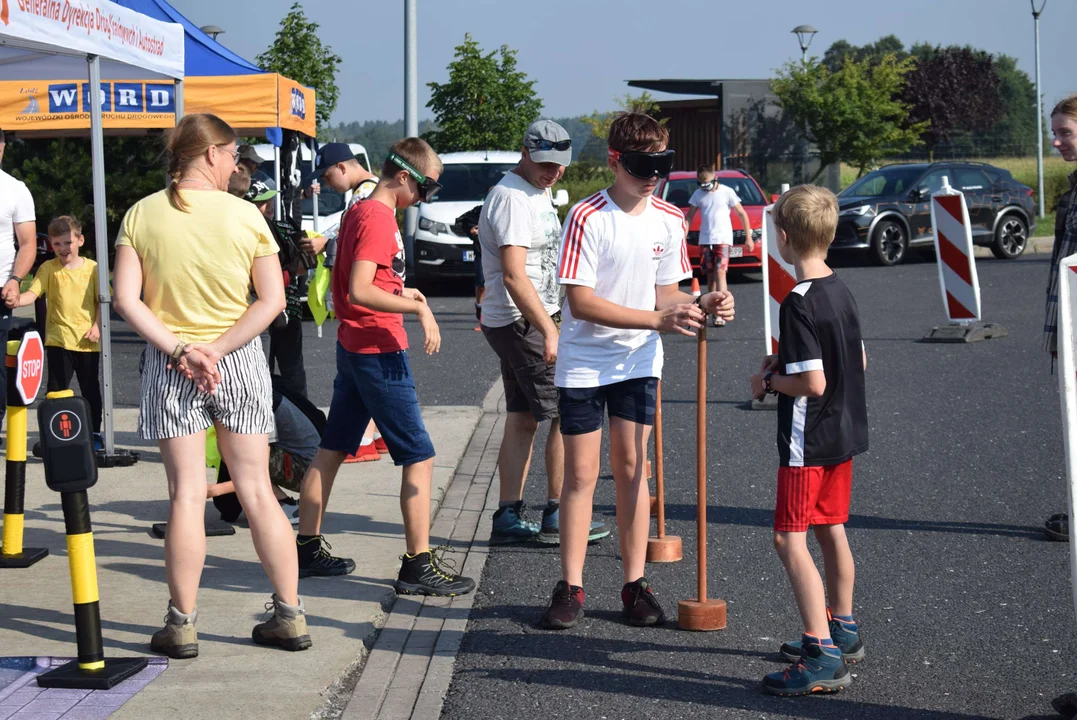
(468, 176)
(331, 204)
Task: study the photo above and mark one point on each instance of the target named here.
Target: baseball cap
(261, 190)
(247, 152)
(329, 155)
(540, 138)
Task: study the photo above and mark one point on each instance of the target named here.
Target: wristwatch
(14, 277)
(766, 384)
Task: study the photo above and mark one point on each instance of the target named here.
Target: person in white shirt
(520, 234)
(715, 202)
(623, 256)
(18, 224)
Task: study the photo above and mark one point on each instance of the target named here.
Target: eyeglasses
(644, 165)
(428, 189)
(233, 153)
(544, 145)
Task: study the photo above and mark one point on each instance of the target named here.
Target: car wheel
(1011, 237)
(889, 243)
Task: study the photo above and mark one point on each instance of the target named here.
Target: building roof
(687, 87)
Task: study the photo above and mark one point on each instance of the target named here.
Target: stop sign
(30, 365)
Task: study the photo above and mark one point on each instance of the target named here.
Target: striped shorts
(172, 406)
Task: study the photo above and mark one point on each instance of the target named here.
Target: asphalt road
(965, 608)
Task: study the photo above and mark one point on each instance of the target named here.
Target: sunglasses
(428, 189)
(707, 185)
(644, 165)
(544, 145)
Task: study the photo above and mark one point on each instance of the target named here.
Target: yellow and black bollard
(19, 386)
(63, 420)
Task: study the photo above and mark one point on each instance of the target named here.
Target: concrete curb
(408, 671)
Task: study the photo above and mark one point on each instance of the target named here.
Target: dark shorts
(378, 387)
(632, 400)
(528, 380)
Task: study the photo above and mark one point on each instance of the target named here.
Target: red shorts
(715, 257)
(813, 496)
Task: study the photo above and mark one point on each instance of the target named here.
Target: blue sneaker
(98, 443)
(845, 635)
(551, 528)
(510, 527)
(818, 669)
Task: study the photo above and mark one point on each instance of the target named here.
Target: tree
(952, 89)
(836, 54)
(642, 103)
(487, 104)
(298, 53)
(852, 115)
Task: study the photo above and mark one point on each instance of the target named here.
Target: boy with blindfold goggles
(622, 258)
(370, 299)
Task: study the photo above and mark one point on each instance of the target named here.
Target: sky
(582, 52)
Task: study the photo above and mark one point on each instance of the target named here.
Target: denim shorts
(632, 400)
(378, 387)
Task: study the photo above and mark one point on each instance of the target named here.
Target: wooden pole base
(701, 616)
(665, 549)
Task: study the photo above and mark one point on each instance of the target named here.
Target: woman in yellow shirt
(185, 259)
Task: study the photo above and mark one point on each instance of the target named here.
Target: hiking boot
(641, 608)
(422, 574)
(550, 534)
(287, 628)
(818, 669)
(845, 635)
(1057, 527)
(178, 639)
(510, 527)
(566, 607)
(314, 559)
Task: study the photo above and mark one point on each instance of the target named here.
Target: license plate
(469, 256)
(736, 251)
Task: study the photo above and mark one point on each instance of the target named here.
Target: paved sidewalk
(408, 672)
(232, 677)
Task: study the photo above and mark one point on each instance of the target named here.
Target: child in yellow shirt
(72, 325)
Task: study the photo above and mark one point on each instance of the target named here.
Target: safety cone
(695, 287)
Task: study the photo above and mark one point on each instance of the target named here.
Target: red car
(678, 188)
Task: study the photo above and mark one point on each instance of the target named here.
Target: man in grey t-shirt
(520, 238)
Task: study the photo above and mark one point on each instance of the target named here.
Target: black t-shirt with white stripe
(820, 330)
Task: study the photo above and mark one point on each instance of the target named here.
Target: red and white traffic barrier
(779, 277)
(1067, 382)
(953, 248)
(957, 271)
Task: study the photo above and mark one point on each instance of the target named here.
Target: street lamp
(1039, 105)
(804, 34)
(212, 30)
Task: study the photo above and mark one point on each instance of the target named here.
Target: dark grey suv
(888, 210)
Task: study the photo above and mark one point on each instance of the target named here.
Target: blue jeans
(379, 387)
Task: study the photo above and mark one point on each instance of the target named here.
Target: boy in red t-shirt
(373, 375)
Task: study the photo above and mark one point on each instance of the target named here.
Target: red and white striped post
(1067, 382)
(779, 277)
(958, 281)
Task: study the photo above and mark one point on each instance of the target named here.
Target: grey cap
(541, 132)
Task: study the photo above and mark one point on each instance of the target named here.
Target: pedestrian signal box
(64, 429)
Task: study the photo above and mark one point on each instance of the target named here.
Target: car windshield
(329, 202)
(465, 182)
(887, 181)
(679, 191)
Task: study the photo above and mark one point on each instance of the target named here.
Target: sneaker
(422, 574)
(641, 608)
(365, 453)
(510, 527)
(287, 628)
(718, 322)
(1057, 527)
(379, 444)
(566, 607)
(818, 669)
(845, 635)
(179, 638)
(314, 559)
(550, 534)
(98, 442)
(290, 506)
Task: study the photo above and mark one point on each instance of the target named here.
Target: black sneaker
(566, 607)
(641, 608)
(1057, 527)
(422, 575)
(314, 559)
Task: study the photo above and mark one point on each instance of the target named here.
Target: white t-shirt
(714, 206)
(623, 257)
(16, 206)
(518, 213)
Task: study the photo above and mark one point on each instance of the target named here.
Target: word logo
(299, 104)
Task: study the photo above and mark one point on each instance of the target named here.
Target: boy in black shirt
(818, 375)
